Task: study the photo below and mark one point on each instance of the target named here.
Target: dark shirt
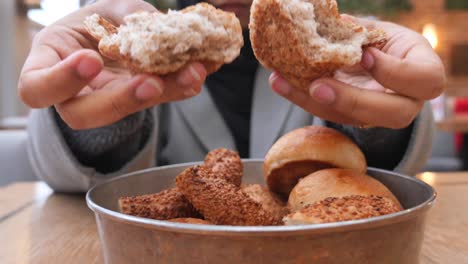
(231, 88)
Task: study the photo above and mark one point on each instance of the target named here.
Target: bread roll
(342, 209)
(306, 150)
(161, 43)
(336, 183)
(306, 39)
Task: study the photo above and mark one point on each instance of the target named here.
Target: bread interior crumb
(326, 37)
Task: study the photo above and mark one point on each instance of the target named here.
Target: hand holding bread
(152, 58)
(65, 70)
(344, 69)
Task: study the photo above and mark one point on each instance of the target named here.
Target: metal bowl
(394, 238)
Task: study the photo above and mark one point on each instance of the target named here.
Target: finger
(303, 100)
(42, 84)
(341, 103)
(415, 77)
(125, 96)
(106, 106)
(185, 83)
(366, 106)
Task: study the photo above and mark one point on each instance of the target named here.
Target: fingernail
(189, 76)
(89, 67)
(322, 93)
(367, 60)
(280, 85)
(148, 90)
(190, 93)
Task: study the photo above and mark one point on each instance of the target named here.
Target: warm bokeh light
(430, 33)
(428, 177)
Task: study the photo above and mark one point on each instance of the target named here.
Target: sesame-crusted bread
(226, 164)
(162, 43)
(335, 183)
(306, 39)
(221, 202)
(167, 204)
(347, 208)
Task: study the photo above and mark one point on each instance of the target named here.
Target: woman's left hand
(388, 88)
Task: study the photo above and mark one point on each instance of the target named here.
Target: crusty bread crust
(225, 164)
(335, 183)
(347, 208)
(221, 202)
(270, 201)
(306, 150)
(279, 45)
(102, 30)
(167, 204)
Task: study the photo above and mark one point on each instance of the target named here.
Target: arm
(64, 166)
(108, 148)
(64, 71)
(389, 90)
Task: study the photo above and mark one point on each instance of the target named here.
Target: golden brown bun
(270, 201)
(306, 150)
(342, 209)
(335, 183)
(306, 39)
(196, 221)
(160, 43)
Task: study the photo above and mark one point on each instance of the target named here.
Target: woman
(95, 121)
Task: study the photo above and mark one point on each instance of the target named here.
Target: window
(459, 60)
(456, 4)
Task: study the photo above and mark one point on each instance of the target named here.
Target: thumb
(44, 85)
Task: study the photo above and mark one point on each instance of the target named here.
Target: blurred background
(443, 22)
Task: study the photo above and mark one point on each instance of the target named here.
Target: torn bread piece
(160, 43)
(307, 39)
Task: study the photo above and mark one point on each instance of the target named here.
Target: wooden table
(37, 226)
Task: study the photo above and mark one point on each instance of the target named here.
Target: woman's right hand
(65, 70)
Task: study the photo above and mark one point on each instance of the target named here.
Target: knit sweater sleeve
(108, 148)
(73, 161)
